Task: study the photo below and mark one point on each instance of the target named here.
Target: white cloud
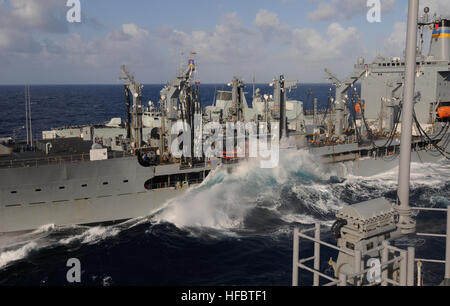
(270, 25)
(19, 19)
(231, 41)
(395, 43)
(34, 15)
(345, 9)
(266, 47)
(17, 41)
(340, 42)
(129, 32)
(130, 44)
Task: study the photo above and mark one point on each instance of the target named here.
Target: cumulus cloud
(345, 9)
(21, 18)
(339, 42)
(128, 44)
(395, 43)
(266, 47)
(17, 41)
(34, 15)
(230, 42)
(270, 25)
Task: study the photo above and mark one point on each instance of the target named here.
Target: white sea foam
(43, 229)
(9, 256)
(92, 235)
(224, 201)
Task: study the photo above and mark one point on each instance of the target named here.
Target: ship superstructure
(102, 173)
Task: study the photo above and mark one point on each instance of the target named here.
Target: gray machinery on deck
(179, 101)
(280, 86)
(341, 111)
(133, 87)
(239, 103)
(363, 227)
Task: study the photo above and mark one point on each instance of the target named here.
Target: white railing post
(295, 258)
(384, 259)
(316, 254)
(343, 279)
(447, 247)
(411, 264)
(357, 264)
(403, 268)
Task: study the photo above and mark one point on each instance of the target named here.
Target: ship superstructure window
(84, 185)
(62, 187)
(38, 189)
(125, 181)
(13, 192)
(105, 183)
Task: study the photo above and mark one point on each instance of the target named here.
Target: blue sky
(298, 38)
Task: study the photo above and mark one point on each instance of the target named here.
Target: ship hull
(82, 193)
(349, 160)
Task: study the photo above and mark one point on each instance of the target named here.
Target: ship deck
(62, 150)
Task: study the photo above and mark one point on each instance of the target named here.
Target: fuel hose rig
(366, 232)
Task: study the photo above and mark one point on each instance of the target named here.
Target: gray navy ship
(116, 171)
(77, 175)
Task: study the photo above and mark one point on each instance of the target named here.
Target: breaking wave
(249, 197)
(299, 191)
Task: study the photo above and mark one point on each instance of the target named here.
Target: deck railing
(56, 160)
(404, 260)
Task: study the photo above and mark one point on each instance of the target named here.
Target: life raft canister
(358, 107)
(443, 112)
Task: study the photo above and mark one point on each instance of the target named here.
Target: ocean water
(233, 229)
